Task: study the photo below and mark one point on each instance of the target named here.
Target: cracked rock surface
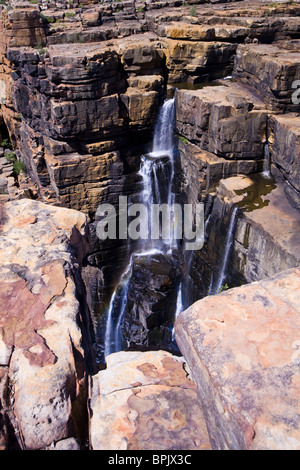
(41, 354)
(143, 401)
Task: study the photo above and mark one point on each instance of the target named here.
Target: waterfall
(179, 307)
(228, 245)
(109, 327)
(266, 165)
(157, 171)
(157, 168)
(163, 134)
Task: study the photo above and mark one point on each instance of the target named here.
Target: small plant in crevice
(18, 165)
(223, 288)
(183, 139)
(47, 19)
(39, 47)
(193, 11)
(5, 144)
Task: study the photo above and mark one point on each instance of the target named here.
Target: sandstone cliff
(81, 84)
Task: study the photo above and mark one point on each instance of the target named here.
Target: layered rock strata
(83, 84)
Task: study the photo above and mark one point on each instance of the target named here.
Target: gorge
(138, 343)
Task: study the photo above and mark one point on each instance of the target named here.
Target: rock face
(41, 345)
(271, 71)
(242, 348)
(145, 401)
(284, 147)
(151, 301)
(218, 118)
(78, 112)
(266, 234)
(81, 85)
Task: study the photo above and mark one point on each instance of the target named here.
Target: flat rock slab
(243, 350)
(145, 401)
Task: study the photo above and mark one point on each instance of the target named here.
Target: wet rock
(151, 304)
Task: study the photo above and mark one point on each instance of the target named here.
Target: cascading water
(157, 172)
(163, 143)
(179, 307)
(266, 164)
(157, 168)
(216, 288)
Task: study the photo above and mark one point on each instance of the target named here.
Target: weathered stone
(271, 71)
(284, 144)
(203, 170)
(24, 28)
(242, 348)
(197, 61)
(39, 319)
(224, 120)
(145, 401)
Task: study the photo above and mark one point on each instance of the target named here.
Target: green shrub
(47, 19)
(183, 139)
(193, 11)
(18, 167)
(222, 288)
(10, 156)
(5, 143)
(40, 48)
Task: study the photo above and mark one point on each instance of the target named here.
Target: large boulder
(243, 350)
(41, 248)
(145, 401)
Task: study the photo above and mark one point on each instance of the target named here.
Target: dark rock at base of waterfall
(151, 304)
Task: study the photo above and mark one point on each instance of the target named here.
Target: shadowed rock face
(83, 87)
(151, 304)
